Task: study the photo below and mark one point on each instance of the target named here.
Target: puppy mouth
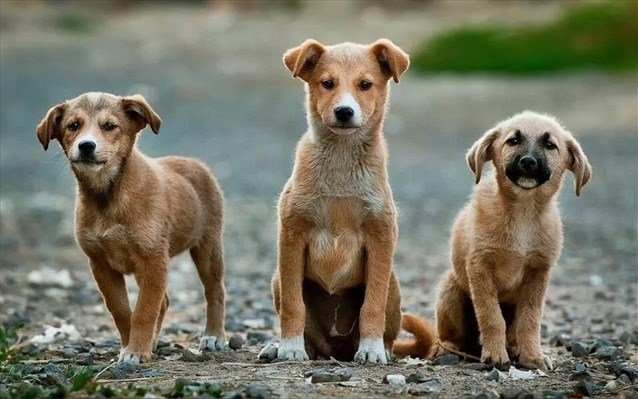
(88, 162)
(527, 182)
(343, 128)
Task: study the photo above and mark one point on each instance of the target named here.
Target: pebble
(168, 351)
(84, 359)
(236, 342)
(258, 336)
(192, 357)
(579, 349)
(338, 375)
(429, 386)
(233, 395)
(151, 373)
(415, 378)
(447, 360)
(394, 379)
(579, 367)
(257, 392)
(269, 353)
(608, 353)
(122, 370)
(586, 388)
(493, 375)
(580, 376)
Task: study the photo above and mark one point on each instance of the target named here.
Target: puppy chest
(117, 244)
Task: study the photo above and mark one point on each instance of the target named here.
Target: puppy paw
(498, 358)
(292, 349)
(136, 358)
(210, 343)
(440, 349)
(536, 361)
(371, 351)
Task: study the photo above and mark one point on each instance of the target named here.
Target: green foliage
(601, 35)
(8, 337)
(77, 23)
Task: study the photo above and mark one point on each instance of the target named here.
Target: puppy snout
(87, 147)
(528, 164)
(344, 114)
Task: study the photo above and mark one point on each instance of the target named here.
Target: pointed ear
(394, 61)
(481, 152)
(579, 165)
(49, 127)
(138, 109)
(301, 60)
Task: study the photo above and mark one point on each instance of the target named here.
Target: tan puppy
(133, 213)
(505, 241)
(334, 289)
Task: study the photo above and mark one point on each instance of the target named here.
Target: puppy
(134, 213)
(505, 241)
(334, 288)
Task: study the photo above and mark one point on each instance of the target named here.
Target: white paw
(210, 343)
(292, 349)
(371, 350)
(128, 357)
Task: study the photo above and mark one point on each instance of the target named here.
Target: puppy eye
(512, 141)
(108, 126)
(73, 126)
(365, 85)
(549, 145)
(328, 84)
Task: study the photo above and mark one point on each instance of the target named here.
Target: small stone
(84, 359)
(580, 376)
(233, 395)
(338, 375)
(151, 373)
(493, 375)
(415, 378)
(608, 353)
(579, 367)
(252, 342)
(585, 388)
(579, 349)
(394, 379)
(447, 360)
(259, 336)
(168, 351)
(624, 378)
(236, 342)
(257, 392)
(192, 357)
(269, 353)
(599, 343)
(162, 343)
(122, 370)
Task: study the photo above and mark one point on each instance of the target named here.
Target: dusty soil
(215, 77)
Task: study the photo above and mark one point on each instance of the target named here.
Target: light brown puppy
(133, 213)
(334, 289)
(506, 239)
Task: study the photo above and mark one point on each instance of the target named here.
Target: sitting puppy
(334, 289)
(505, 241)
(134, 213)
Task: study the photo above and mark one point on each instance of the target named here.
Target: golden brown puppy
(334, 289)
(133, 213)
(505, 241)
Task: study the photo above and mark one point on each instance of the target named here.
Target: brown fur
(337, 220)
(504, 243)
(134, 213)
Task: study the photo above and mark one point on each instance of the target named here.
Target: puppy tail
(421, 343)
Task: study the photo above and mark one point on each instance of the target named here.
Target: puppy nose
(86, 147)
(344, 114)
(528, 164)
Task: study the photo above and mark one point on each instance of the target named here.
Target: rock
(53, 373)
(599, 343)
(150, 373)
(236, 342)
(193, 357)
(162, 343)
(168, 351)
(579, 349)
(608, 353)
(84, 359)
(426, 388)
(447, 360)
(624, 379)
(269, 353)
(337, 375)
(257, 392)
(394, 379)
(586, 388)
(233, 395)
(258, 336)
(493, 375)
(579, 367)
(122, 370)
(415, 378)
(580, 376)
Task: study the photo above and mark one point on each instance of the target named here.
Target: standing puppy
(334, 289)
(133, 213)
(505, 241)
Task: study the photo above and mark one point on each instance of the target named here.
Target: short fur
(134, 213)
(504, 243)
(334, 289)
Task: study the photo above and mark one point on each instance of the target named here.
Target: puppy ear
(579, 166)
(394, 61)
(481, 152)
(301, 60)
(49, 128)
(138, 109)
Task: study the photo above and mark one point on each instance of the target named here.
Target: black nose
(86, 147)
(344, 114)
(528, 164)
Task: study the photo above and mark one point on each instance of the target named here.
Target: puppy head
(97, 131)
(346, 83)
(530, 151)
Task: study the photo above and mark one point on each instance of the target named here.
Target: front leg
(488, 313)
(151, 276)
(380, 243)
(292, 312)
(528, 319)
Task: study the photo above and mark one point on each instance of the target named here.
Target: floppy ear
(301, 60)
(139, 110)
(481, 152)
(394, 61)
(579, 166)
(49, 127)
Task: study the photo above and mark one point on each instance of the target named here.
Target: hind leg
(208, 258)
(392, 314)
(450, 316)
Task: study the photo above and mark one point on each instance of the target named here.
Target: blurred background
(213, 72)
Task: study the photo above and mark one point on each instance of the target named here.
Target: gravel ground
(217, 81)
